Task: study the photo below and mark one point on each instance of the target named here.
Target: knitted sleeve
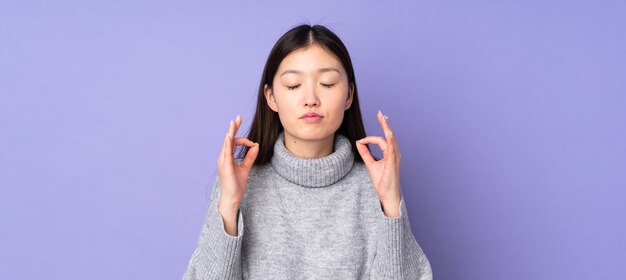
(217, 254)
(398, 255)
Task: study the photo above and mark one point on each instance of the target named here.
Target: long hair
(266, 125)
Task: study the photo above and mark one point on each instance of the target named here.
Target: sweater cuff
(390, 246)
(225, 252)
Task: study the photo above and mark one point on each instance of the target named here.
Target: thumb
(251, 155)
(365, 153)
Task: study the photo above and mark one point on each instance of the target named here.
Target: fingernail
(238, 117)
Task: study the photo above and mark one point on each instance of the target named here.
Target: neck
(316, 148)
(313, 172)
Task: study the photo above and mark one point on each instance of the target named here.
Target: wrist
(227, 207)
(391, 208)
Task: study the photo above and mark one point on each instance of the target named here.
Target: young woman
(306, 199)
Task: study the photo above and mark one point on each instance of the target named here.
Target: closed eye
(296, 86)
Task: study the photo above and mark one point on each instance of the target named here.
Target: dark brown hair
(266, 125)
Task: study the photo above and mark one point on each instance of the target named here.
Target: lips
(311, 115)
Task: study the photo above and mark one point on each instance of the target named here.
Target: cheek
(285, 100)
(335, 107)
(337, 99)
(287, 107)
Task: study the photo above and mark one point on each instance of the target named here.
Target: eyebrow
(321, 70)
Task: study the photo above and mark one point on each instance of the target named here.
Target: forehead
(310, 59)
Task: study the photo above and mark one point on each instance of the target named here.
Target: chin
(311, 134)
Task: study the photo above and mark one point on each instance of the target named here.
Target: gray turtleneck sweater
(308, 219)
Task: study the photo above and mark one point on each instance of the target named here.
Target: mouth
(311, 117)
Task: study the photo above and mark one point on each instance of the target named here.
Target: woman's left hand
(385, 173)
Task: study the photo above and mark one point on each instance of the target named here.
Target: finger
(242, 142)
(235, 126)
(228, 160)
(237, 123)
(223, 164)
(384, 123)
(365, 153)
(248, 161)
(388, 151)
(380, 141)
(231, 132)
(231, 129)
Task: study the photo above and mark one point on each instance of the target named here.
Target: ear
(269, 97)
(350, 96)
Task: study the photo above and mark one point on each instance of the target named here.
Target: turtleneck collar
(313, 172)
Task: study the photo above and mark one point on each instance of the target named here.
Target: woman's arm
(217, 254)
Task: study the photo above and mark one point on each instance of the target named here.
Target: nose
(310, 96)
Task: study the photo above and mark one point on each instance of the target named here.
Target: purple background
(511, 118)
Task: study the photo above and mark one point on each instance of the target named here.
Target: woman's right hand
(233, 177)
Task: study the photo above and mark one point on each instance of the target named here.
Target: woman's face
(310, 79)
